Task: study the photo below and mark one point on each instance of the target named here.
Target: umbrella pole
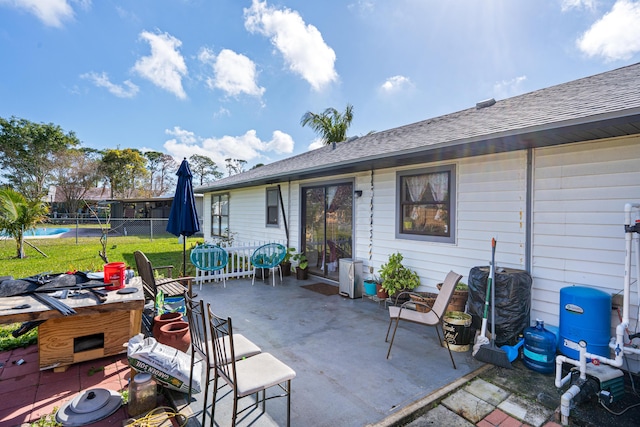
(184, 256)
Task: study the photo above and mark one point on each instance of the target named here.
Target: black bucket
(457, 330)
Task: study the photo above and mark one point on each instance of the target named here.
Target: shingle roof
(600, 106)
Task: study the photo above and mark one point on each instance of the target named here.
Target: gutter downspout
(529, 213)
(284, 215)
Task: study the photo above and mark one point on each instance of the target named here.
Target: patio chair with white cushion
(246, 376)
(201, 346)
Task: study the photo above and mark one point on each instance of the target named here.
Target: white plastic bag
(169, 366)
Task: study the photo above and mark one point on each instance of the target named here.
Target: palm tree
(331, 125)
(17, 214)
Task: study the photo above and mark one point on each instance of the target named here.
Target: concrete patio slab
(488, 392)
(337, 347)
(526, 410)
(468, 406)
(440, 416)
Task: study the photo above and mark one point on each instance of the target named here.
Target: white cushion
(243, 347)
(260, 372)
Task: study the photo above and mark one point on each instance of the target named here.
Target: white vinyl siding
(248, 217)
(578, 196)
(490, 202)
(578, 235)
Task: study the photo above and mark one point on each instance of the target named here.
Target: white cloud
(578, 4)
(246, 147)
(396, 84)
(222, 112)
(616, 36)
(51, 12)
(165, 67)
(126, 90)
(364, 6)
(185, 136)
(234, 73)
(301, 45)
(509, 88)
(316, 143)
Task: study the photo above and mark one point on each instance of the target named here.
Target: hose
(156, 417)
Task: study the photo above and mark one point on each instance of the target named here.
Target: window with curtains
(219, 214)
(426, 207)
(272, 207)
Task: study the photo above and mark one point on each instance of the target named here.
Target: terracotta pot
(380, 292)
(176, 335)
(164, 319)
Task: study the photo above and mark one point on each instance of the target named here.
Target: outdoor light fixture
(358, 193)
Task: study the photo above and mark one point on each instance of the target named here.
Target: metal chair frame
(197, 318)
(171, 287)
(209, 257)
(269, 257)
(433, 316)
(248, 376)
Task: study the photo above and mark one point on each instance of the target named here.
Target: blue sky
(232, 78)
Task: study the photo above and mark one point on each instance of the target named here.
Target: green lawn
(63, 254)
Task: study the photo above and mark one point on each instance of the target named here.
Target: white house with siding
(546, 173)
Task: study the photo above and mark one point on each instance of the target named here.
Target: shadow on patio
(336, 346)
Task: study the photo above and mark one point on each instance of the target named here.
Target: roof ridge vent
(486, 103)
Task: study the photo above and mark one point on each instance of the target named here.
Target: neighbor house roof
(600, 106)
(94, 194)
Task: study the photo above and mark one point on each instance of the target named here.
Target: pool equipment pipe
(573, 394)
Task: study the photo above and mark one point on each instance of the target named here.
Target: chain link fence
(143, 227)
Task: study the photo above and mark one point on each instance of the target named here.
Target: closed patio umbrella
(183, 218)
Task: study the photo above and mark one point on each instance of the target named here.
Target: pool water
(39, 232)
(46, 231)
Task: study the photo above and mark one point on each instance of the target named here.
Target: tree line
(38, 155)
(35, 156)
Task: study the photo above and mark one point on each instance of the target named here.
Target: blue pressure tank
(585, 315)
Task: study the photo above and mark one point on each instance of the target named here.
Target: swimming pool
(46, 231)
(42, 232)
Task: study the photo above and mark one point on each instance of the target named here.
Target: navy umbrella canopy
(183, 218)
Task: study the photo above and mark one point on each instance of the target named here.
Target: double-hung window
(426, 206)
(272, 207)
(219, 214)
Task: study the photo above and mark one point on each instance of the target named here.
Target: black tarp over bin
(513, 301)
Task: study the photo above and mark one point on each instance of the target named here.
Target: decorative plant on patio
(286, 262)
(396, 277)
(300, 265)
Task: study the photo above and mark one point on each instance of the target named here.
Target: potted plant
(285, 265)
(459, 298)
(395, 277)
(300, 265)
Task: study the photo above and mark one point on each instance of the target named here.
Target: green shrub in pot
(396, 277)
(300, 265)
(286, 261)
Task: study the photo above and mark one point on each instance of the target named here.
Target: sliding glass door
(327, 227)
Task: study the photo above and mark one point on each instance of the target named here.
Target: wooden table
(95, 331)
